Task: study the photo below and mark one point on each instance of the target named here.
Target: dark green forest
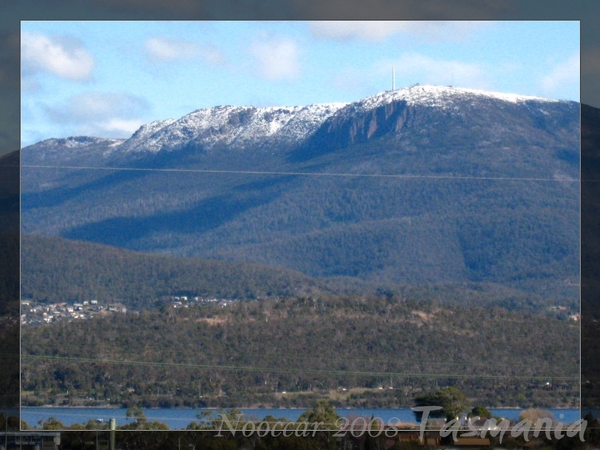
(61, 270)
(360, 351)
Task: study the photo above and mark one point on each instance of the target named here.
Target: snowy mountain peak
(273, 127)
(78, 142)
(237, 126)
(69, 150)
(151, 128)
(429, 95)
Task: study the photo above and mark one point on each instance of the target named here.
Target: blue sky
(107, 78)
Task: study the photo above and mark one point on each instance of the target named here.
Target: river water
(180, 418)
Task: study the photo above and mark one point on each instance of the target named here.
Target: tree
(452, 400)
(141, 422)
(481, 412)
(233, 416)
(323, 411)
(53, 424)
(136, 413)
(12, 423)
(534, 414)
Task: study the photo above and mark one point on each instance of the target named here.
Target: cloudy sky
(107, 78)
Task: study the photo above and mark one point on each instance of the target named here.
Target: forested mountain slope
(56, 270)
(425, 184)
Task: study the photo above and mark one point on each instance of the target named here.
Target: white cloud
(426, 70)
(163, 49)
(561, 75)
(117, 128)
(377, 31)
(277, 57)
(62, 56)
(98, 106)
(101, 114)
(213, 55)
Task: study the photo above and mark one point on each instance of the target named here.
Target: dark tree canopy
(452, 400)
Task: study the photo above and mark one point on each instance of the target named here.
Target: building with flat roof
(30, 440)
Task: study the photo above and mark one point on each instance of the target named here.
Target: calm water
(180, 418)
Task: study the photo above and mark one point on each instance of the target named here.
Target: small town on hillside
(38, 313)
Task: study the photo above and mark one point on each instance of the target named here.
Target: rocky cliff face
(440, 111)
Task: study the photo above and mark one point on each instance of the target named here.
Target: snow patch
(440, 96)
(237, 126)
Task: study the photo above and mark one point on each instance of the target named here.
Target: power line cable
(284, 370)
(308, 174)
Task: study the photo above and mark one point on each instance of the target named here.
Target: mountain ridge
(203, 126)
(402, 191)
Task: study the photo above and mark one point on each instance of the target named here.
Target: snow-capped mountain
(442, 98)
(242, 127)
(145, 132)
(438, 96)
(417, 108)
(410, 187)
(71, 150)
(233, 126)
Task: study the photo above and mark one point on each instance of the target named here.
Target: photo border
(188, 10)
